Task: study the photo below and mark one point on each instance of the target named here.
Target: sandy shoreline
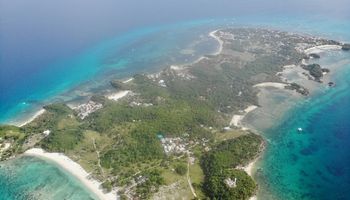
(113, 96)
(249, 167)
(129, 80)
(211, 34)
(121, 94)
(321, 48)
(237, 119)
(271, 84)
(75, 169)
(221, 43)
(37, 114)
(118, 95)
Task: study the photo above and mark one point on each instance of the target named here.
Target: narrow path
(188, 175)
(98, 157)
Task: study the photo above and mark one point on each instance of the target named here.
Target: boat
(300, 129)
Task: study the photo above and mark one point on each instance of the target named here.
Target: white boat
(300, 129)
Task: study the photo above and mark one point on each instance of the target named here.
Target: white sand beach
(237, 119)
(76, 170)
(37, 114)
(114, 96)
(118, 95)
(249, 168)
(321, 48)
(200, 59)
(250, 109)
(271, 84)
(211, 34)
(127, 81)
(180, 67)
(253, 198)
(176, 67)
(221, 43)
(289, 66)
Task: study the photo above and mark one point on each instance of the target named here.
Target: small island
(346, 47)
(316, 71)
(175, 133)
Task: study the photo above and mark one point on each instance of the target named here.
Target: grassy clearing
(85, 152)
(227, 135)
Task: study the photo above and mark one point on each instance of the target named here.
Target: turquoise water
(295, 166)
(313, 164)
(29, 178)
(137, 51)
(141, 50)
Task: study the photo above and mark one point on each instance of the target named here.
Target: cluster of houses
(85, 109)
(178, 145)
(175, 145)
(231, 183)
(162, 83)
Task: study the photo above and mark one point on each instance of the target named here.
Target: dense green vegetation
(172, 117)
(50, 120)
(12, 135)
(216, 188)
(141, 146)
(298, 88)
(11, 132)
(121, 145)
(220, 163)
(149, 183)
(232, 153)
(315, 70)
(107, 185)
(65, 129)
(181, 169)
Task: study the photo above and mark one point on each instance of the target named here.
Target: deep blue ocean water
(314, 163)
(26, 87)
(137, 51)
(44, 59)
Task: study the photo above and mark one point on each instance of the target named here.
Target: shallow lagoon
(27, 178)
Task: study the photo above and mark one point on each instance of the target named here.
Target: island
(346, 47)
(175, 133)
